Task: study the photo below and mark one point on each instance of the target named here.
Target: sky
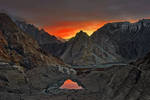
(64, 18)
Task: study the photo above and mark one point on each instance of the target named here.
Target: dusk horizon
(65, 18)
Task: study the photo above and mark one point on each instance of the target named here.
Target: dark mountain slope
(47, 42)
(130, 40)
(18, 47)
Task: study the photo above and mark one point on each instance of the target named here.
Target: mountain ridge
(114, 42)
(20, 48)
(120, 41)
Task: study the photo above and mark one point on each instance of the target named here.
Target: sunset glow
(69, 84)
(67, 30)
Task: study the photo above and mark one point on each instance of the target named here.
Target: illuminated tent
(69, 84)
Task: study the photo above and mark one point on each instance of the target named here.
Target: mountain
(81, 50)
(18, 47)
(130, 40)
(25, 69)
(47, 42)
(114, 42)
(76, 49)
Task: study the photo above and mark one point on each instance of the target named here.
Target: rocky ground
(129, 82)
(15, 83)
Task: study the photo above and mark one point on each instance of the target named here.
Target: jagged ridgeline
(114, 42)
(47, 42)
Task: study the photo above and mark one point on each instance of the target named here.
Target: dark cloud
(45, 12)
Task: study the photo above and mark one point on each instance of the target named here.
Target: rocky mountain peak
(81, 38)
(81, 35)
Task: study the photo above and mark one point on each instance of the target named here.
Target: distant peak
(81, 34)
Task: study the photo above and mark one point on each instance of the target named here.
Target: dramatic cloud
(52, 12)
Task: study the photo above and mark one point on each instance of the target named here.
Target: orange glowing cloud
(69, 29)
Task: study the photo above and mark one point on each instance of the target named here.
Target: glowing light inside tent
(69, 84)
